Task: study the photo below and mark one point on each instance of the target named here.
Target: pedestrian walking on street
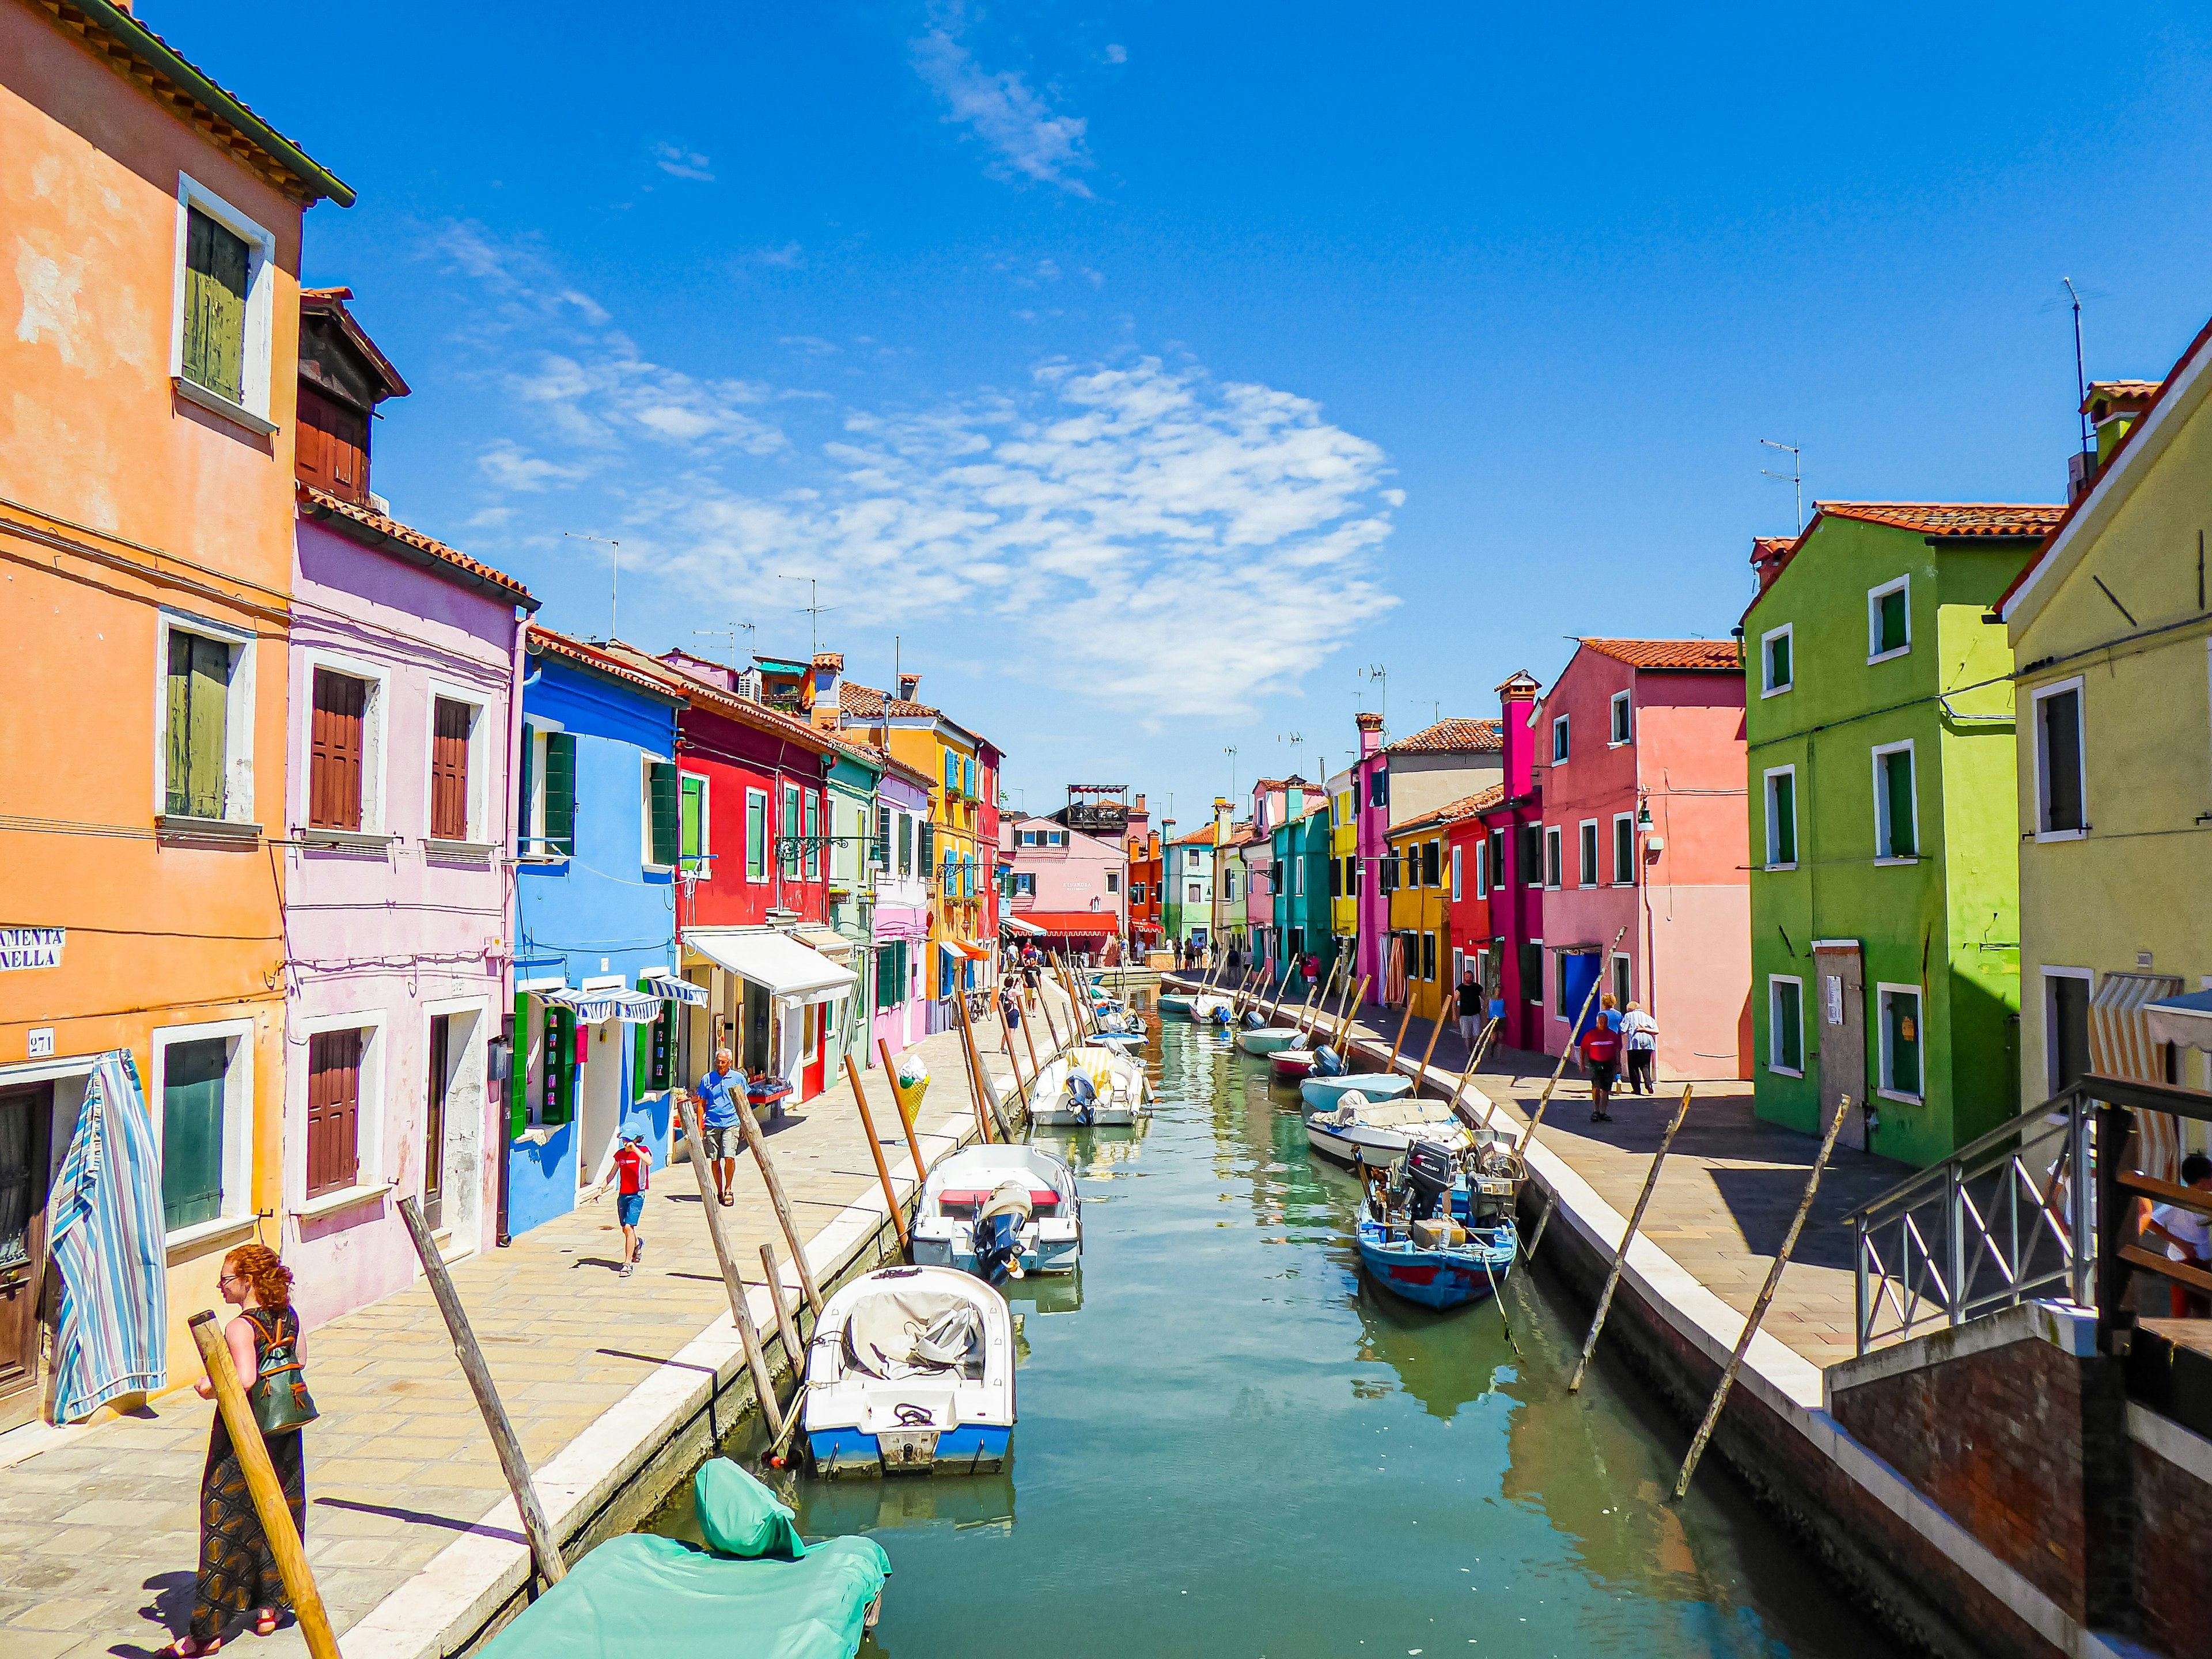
(632, 1166)
(1639, 1038)
(1010, 1011)
(238, 1572)
(1601, 1047)
(1470, 1009)
(722, 1096)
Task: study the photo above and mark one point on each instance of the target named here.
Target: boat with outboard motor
(1322, 1093)
(1095, 1086)
(910, 1372)
(1437, 1227)
(1356, 1130)
(1268, 1039)
(999, 1210)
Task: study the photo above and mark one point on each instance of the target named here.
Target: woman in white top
(1640, 1040)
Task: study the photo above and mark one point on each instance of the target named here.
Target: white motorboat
(1109, 1090)
(1323, 1092)
(1358, 1130)
(1210, 1010)
(968, 1190)
(911, 1371)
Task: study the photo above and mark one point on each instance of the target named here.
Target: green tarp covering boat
(754, 1590)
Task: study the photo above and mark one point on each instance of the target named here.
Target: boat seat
(970, 1198)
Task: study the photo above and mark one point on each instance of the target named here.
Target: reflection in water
(1229, 1444)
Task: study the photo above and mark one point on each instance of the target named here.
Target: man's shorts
(630, 1208)
(1601, 1073)
(727, 1141)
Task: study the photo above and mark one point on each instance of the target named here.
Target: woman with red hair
(237, 1570)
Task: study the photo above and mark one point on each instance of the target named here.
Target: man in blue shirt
(721, 1097)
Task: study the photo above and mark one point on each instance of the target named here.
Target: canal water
(1229, 1444)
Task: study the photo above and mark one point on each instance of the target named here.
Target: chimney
(824, 709)
(1767, 554)
(1516, 701)
(1138, 811)
(1370, 733)
(907, 684)
(2112, 409)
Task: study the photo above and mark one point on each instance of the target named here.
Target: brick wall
(2173, 1586)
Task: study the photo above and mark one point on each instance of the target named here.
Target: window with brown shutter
(335, 752)
(449, 771)
(333, 1111)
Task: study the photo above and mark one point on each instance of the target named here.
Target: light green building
(1885, 870)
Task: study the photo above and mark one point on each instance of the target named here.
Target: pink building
(1070, 885)
(1640, 766)
(901, 913)
(1370, 816)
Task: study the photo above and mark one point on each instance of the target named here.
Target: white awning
(787, 969)
(834, 945)
(593, 1006)
(2185, 1022)
(1016, 925)
(669, 988)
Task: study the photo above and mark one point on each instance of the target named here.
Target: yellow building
(1344, 867)
(1417, 879)
(2110, 628)
(963, 833)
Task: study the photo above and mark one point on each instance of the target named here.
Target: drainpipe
(503, 1117)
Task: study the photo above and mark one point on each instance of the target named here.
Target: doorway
(434, 1123)
(755, 1028)
(1841, 979)
(26, 1116)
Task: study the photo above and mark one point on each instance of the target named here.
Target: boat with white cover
(1358, 1130)
(1323, 1092)
(1118, 1090)
(911, 1371)
(967, 1190)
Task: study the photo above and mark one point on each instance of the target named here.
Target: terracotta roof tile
(545, 642)
(1950, 519)
(1453, 812)
(1670, 653)
(865, 702)
(2137, 394)
(374, 528)
(1449, 737)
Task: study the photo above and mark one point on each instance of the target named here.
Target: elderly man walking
(721, 1097)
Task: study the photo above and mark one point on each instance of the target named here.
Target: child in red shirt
(1601, 1047)
(633, 1169)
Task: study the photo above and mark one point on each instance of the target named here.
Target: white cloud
(1117, 54)
(511, 467)
(1004, 112)
(682, 163)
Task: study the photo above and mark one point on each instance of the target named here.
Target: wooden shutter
(199, 716)
(695, 824)
(334, 759)
(526, 774)
(1897, 783)
(518, 1062)
(557, 1098)
(215, 306)
(664, 812)
(449, 770)
(333, 1111)
(813, 832)
(756, 834)
(561, 793)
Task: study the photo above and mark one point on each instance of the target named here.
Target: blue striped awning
(110, 1244)
(631, 1008)
(669, 988)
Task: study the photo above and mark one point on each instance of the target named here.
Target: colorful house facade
(2114, 758)
(1467, 840)
(404, 655)
(1425, 876)
(1641, 756)
(1340, 791)
(1514, 873)
(1370, 808)
(147, 442)
(900, 920)
(1064, 883)
(1885, 932)
(1303, 900)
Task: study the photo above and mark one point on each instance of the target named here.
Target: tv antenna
(2080, 374)
(1231, 751)
(1380, 674)
(614, 581)
(730, 633)
(812, 610)
(1795, 477)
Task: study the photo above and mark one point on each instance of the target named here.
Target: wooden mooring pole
(1620, 1256)
(1766, 1295)
(741, 1311)
(786, 1327)
(1436, 1030)
(543, 1544)
(1405, 1020)
(748, 1126)
(266, 1491)
(876, 1151)
(986, 1097)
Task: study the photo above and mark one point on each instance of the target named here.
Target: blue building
(598, 842)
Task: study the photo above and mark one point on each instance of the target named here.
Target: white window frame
(1874, 596)
(1881, 992)
(1298, 878)
(375, 751)
(706, 853)
(1555, 859)
(1542, 972)
(1881, 835)
(1787, 632)
(2080, 756)
(1773, 1034)
(647, 760)
(238, 713)
(1458, 972)
(1586, 840)
(238, 1212)
(2046, 974)
(1456, 852)
(769, 830)
(1560, 737)
(1620, 730)
(256, 371)
(479, 705)
(1796, 825)
(1197, 892)
(1619, 878)
(1482, 866)
(370, 1179)
(1114, 882)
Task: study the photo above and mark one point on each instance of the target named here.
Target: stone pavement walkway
(1725, 1196)
(98, 1540)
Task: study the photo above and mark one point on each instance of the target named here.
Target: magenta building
(1370, 816)
(1511, 869)
(900, 921)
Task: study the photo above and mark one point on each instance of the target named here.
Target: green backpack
(279, 1395)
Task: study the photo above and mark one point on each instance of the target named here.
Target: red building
(1466, 843)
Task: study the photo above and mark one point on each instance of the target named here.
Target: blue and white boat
(911, 1371)
(957, 1222)
(1378, 1133)
(1173, 1006)
(1322, 1093)
(1437, 1232)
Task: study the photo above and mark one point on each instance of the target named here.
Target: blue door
(1577, 972)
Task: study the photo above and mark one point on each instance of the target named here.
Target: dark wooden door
(26, 1116)
(434, 1125)
(333, 1111)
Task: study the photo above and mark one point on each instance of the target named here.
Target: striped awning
(2185, 1022)
(2120, 1040)
(110, 1245)
(669, 988)
(631, 1008)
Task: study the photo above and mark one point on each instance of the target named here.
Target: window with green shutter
(813, 808)
(926, 858)
(216, 261)
(653, 1065)
(560, 822)
(1889, 622)
(192, 1076)
(664, 810)
(1782, 818)
(790, 859)
(755, 835)
(695, 826)
(527, 776)
(1894, 804)
(557, 1099)
(198, 721)
(518, 1059)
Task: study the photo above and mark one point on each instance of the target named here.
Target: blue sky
(1152, 370)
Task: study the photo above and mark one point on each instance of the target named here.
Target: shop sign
(31, 947)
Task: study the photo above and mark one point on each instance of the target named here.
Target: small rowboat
(1292, 1064)
(1324, 1092)
(1174, 1007)
(1268, 1039)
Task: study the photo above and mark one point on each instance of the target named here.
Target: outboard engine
(997, 1238)
(1221, 1013)
(1428, 1179)
(1328, 1063)
(1254, 1019)
(1083, 1096)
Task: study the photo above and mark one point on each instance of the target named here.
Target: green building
(1885, 884)
(1301, 848)
(1186, 889)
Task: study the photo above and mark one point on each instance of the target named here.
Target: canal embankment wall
(1907, 1505)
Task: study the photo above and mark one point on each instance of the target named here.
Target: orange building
(146, 532)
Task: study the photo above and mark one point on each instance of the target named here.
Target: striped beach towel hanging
(108, 1243)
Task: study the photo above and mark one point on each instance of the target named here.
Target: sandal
(177, 1650)
(264, 1622)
